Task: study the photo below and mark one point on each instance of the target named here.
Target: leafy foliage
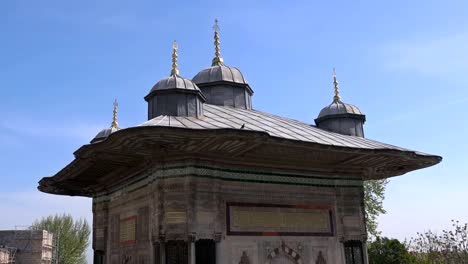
(389, 251)
(374, 194)
(449, 247)
(72, 237)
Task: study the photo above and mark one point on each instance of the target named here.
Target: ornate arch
(293, 255)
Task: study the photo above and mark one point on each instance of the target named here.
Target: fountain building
(208, 179)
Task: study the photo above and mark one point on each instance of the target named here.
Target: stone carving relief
(320, 259)
(244, 258)
(243, 252)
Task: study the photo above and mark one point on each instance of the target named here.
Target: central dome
(223, 85)
(219, 72)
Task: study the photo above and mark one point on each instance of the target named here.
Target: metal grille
(176, 252)
(353, 252)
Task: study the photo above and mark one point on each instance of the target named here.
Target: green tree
(449, 247)
(374, 194)
(389, 251)
(71, 237)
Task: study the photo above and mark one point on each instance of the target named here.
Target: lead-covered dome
(222, 84)
(219, 72)
(174, 82)
(175, 95)
(338, 108)
(341, 117)
(103, 134)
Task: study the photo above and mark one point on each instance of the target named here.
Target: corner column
(100, 229)
(162, 249)
(364, 252)
(217, 239)
(191, 240)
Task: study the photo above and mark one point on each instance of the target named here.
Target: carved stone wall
(169, 207)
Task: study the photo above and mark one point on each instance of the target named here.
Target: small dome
(103, 134)
(174, 82)
(338, 108)
(340, 117)
(220, 72)
(175, 95)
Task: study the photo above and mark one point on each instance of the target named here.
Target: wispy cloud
(16, 127)
(435, 56)
(424, 110)
(24, 207)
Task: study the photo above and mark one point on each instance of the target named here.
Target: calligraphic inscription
(279, 220)
(128, 230)
(175, 217)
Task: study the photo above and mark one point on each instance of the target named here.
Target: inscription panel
(279, 220)
(175, 217)
(128, 230)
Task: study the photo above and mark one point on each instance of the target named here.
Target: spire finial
(337, 97)
(217, 57)
(175, 47)
(115, 124)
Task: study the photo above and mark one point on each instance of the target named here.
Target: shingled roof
(227, 134)
(221, 117)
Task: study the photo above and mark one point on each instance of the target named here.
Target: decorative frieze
(239, 175)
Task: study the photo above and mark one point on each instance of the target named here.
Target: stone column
(191, 240)
(100, 227)
(156, 254)
(217, 239)
(162, 248)
(364, 252)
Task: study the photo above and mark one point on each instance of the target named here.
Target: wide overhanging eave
(130, 149)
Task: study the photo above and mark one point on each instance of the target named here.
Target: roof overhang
(100, 166)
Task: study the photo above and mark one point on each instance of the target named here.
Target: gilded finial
(115, 124)
(217, 57)
(337, 97)
(175, 47)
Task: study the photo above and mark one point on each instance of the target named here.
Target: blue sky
(403, 63)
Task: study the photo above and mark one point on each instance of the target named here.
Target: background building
(4, 255)
(26, 247)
